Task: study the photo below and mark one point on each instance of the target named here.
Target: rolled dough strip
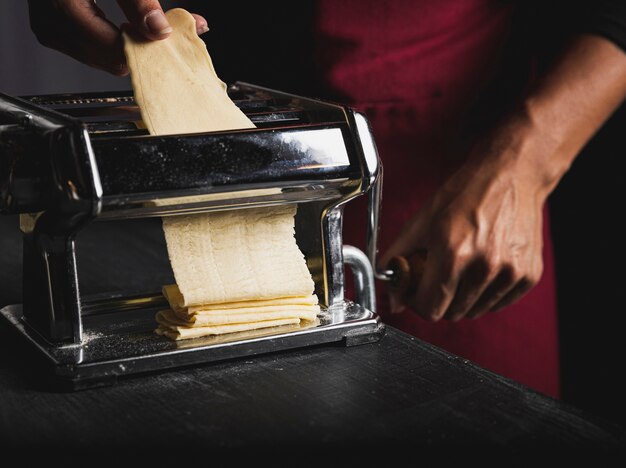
(237, 336)
(267, 307)
(171, 317)
(180, 333)
(184, 315)
(175, 300)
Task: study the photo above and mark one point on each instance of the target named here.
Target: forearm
(483, 230)
(565, 108)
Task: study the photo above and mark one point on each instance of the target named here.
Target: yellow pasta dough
(235, 270)
(175, 84)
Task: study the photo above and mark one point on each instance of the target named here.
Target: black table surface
(366, 404)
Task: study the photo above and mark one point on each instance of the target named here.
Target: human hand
(482, 232)
(80, 29)
(483, 229)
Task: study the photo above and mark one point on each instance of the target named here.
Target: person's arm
(80, 29)
(483, 229)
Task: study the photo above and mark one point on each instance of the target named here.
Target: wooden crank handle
(406, 273)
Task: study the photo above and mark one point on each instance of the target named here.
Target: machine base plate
(117, 344)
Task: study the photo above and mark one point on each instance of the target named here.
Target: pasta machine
(67, 160)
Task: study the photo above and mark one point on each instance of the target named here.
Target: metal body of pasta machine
(68, 160)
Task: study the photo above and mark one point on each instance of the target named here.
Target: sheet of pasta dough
(175, 299)
(238, 255)
(177, 332)
(228, 318)
(175, 84)
(235, 270)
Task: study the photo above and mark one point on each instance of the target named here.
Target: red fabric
(415, 67)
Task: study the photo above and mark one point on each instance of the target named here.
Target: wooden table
(362, 405)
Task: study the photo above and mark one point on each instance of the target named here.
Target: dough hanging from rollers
(237, 255)
(235, 270)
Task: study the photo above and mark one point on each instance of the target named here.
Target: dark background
(587, 212)
(586, 221)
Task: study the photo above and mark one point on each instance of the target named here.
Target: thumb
(146, 17)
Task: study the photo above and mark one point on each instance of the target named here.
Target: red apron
(415, 68)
